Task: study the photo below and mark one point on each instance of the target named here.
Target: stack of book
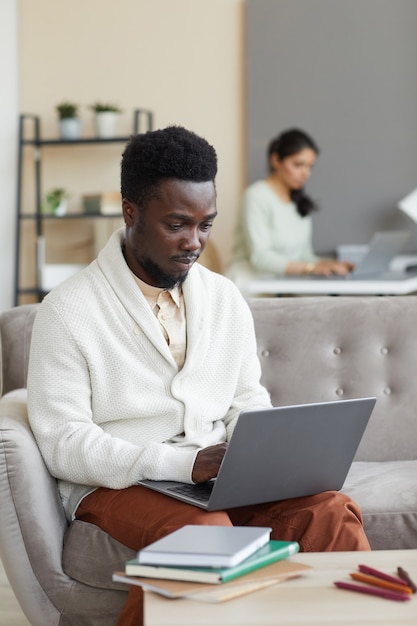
(212, 563)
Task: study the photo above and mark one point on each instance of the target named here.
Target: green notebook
(271, 552)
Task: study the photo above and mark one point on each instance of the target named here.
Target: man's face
(165, 239)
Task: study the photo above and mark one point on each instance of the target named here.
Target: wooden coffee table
(309, 600)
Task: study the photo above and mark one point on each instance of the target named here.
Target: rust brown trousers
(137, 516)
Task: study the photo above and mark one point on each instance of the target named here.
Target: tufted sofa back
(329, 348)
(311, 349)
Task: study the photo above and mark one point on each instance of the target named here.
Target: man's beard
(160, 278)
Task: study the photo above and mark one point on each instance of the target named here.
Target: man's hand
(207, 462)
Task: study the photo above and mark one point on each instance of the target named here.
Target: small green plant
(54, 201)
(67, 110)
(102, 107)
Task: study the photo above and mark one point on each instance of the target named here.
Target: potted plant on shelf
(69, 122)
(106, 117)
(56, 202)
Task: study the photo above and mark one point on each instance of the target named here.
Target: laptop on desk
(382, 248)
(280, 453)
(375, 265)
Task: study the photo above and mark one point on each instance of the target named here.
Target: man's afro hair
(173, 152)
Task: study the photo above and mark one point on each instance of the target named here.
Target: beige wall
(183, 59)
(8, 151)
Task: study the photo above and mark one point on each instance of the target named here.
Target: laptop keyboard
(199, 491)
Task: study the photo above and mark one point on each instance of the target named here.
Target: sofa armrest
(32, 520)
(15, 337)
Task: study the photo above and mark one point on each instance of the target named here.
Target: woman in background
(274, 233)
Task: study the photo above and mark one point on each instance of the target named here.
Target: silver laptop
(375, 265)
(280, 453)
(383, 247)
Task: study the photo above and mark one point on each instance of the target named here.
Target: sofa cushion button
(265, 352)
(339, 391)
(384, 351)
(337, 350)
(387, 391)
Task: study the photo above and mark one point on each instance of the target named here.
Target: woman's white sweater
(106, 401)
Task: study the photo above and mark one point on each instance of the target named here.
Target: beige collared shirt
(169, 309)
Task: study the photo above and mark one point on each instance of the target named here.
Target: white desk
(311, 600)
(299, 285)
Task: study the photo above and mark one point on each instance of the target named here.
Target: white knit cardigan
(106, 401)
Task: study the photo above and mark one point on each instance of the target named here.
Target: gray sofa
(311, 349)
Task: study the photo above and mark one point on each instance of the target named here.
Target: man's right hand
(207, 462)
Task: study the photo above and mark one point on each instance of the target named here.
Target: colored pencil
(379, 582)
(374, 591)
(405, 576)
(365, 569)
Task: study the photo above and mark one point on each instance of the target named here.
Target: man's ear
(129, 211)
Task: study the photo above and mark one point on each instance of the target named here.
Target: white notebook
(205, 546)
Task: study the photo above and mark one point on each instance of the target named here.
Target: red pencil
(365, 569)
(374, 591)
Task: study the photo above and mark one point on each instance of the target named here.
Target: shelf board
(72, 142)
(69, 216)
(29, 291)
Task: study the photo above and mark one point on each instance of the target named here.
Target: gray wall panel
(346, 72)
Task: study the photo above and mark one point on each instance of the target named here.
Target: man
(141, 363)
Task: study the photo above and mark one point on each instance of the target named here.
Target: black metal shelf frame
(141, 117)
